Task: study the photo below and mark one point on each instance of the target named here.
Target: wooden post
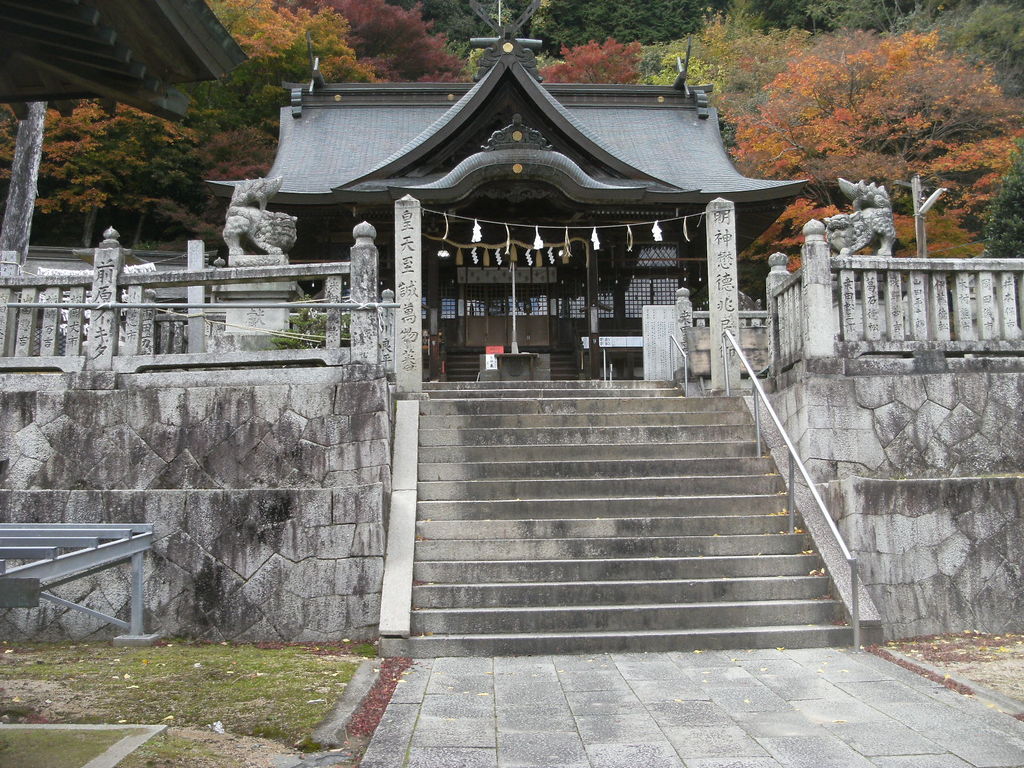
(408, 293)
(819, 327)
(196, 294)
(364, 326)
(108, 263)
(723, 289)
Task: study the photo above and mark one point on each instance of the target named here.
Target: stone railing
(855, 306)
(105, 318)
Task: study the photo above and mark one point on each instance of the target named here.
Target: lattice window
(648, 290)
(660, 255)
(449, 301)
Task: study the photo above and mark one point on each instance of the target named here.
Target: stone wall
(268, 488)
(913, 425)
(937, 555)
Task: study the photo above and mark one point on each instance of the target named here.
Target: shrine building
(591, 195)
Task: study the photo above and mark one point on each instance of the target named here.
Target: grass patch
(28, 748)
(281, 692)
(167, 751)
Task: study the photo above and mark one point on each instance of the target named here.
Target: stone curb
(116, 752)
(1005, 703)
(331, 732)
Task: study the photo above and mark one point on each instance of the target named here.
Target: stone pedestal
(517, 366)
(245, 328)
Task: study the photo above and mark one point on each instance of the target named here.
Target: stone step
(581, 404)
(604, 618)
(514, 468)
(586, 435)
(560, 390)
(597, 547)
(634, 418)
(608, 487)
(454, 454)
(623, 592)
(660, 506)
(513, 644)
(586, 385)
(613, 569)
(613, 527)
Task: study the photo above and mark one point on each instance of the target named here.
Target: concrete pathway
(814, 708)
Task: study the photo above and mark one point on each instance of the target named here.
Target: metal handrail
(795, 462)
(686, 365)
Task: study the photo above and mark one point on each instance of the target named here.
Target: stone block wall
(937, 555)
(268, 489)
(913, 425)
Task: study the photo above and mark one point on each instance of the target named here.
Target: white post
(408, 294)
(723, 289)
(818, 320)
(515, 335)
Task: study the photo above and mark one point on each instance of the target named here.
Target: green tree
(1004, 229)
(569, 23)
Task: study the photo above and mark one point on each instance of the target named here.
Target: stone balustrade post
(364, 328)
(196, 294)
(9, 267)
(104, 324)
(684, 317)
(387, 336)
(779, 272)
(819, 325)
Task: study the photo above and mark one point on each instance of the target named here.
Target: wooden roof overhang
(130, 51)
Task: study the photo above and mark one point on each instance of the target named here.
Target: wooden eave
(131, 51)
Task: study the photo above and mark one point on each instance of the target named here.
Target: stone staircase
(562, 517)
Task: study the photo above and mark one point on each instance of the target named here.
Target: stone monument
(249, 223)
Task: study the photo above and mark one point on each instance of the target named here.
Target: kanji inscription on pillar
(723, 286)
(408, 295)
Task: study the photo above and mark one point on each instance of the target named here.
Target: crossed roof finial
(508, 30)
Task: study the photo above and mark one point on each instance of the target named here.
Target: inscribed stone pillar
(779, 272)
(9, 267)
(408, 293)
(819, 324)
(684, 317)
(723, 290)
(363, 328)
(108, 263)
(387, 333)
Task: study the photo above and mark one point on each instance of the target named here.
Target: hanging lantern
(444, 254)
(478, 236)
(595, 239)
(538, 243)
(656, 232)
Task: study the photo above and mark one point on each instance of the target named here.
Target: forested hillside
(815, 89)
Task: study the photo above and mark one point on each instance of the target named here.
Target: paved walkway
(815, 708)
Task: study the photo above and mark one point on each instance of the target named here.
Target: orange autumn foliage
(858, 105)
